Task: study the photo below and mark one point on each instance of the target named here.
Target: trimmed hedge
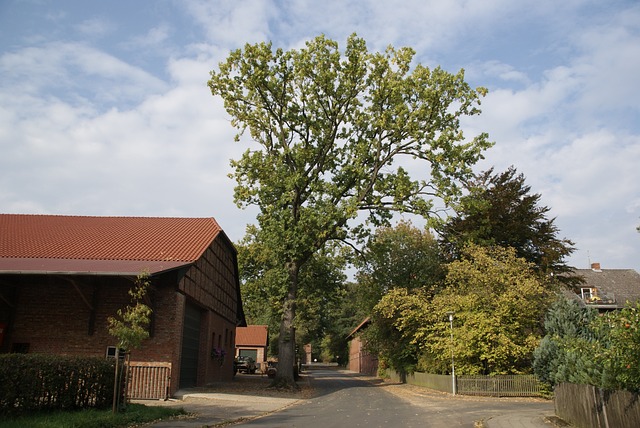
(33, 382)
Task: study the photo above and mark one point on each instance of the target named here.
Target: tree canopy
(402, 256)
(331, 130)
(499, 209)
(498, 303)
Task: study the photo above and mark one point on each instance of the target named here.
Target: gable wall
(211, 281)
(211, 285)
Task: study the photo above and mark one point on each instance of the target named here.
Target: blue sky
(104, 108)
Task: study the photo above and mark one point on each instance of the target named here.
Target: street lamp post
(453, 366)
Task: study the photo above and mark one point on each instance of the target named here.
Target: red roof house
(252, 341)
(62, 277)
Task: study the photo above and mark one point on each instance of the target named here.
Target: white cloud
(76, 72)
(232, 23)
(84, 131)
(95, 27)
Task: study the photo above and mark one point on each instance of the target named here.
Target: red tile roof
(252, 335)
(76, 244)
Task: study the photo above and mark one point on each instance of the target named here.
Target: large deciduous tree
(331, 129)
(402, 256)
(498, 303)
(500, 210)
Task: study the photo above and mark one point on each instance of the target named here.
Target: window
(111, 352)
(19, 348)
(586, 294)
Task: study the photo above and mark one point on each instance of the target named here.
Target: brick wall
(360, 360)
(51, 316)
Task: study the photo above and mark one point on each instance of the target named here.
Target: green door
(190, 347)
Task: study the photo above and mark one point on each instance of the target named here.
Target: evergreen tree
(499, 210)
(568, 332)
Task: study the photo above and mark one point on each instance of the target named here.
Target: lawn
(91, 418)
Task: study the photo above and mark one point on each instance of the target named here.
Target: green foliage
(33, 382)
(130, 328)
(320, 296)
(403, 256)
(135, 415)
(620, 334)
(330, 129)
(582, 347)
(499, 210)
(394, 321)
(498, 302)
(565, 353)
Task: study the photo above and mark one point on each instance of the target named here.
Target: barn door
(190, 347)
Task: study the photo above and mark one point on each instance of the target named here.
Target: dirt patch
(258, 385)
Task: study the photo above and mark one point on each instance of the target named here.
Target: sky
(105, 109)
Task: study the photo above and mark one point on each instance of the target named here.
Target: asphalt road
(347, 400)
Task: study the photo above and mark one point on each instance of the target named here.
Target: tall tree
(402, 256)
(320, 289)
(331, 129)
(499, 209)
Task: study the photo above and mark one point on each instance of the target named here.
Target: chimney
(596, 267)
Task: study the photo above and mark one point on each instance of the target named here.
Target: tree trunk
(285, 377)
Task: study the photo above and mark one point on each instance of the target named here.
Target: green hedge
(33, 382)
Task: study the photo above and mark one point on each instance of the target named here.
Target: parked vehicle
(244, 364)
(272, 369)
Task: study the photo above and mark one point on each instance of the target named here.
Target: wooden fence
(586, 406)
(149, 380)
(500, 386)
(432, 381)
(496, 386)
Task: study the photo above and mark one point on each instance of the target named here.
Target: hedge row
(32, 382)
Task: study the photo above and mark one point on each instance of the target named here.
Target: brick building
(61, 277)
(360, 360)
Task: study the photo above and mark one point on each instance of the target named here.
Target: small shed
(253, 341)
(62, 277)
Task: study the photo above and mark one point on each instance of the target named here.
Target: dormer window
(587, 293)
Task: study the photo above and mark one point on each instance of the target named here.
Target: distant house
(252, 341)
(61, 277)
(360, 360)
(608, 289)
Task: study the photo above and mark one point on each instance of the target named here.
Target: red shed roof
(252, 335)
(101, 245)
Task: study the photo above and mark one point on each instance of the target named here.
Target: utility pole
(453, 366)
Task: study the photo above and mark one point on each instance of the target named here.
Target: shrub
(33, 382)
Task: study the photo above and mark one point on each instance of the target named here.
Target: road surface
(345, 399)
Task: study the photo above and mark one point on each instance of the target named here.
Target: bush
(32, 382)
